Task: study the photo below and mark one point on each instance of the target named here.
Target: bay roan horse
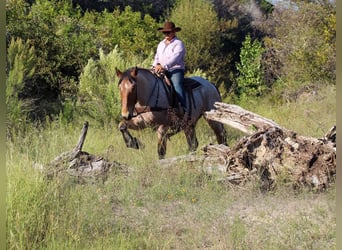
(147, 101)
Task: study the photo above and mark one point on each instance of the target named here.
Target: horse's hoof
(122, 126)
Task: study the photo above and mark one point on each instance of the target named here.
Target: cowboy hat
(169, 26)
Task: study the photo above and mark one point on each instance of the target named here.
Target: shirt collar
(174, 38)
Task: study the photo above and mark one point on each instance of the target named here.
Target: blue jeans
(177, 77)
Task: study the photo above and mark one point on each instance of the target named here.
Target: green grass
(154, 207)
(310, 115)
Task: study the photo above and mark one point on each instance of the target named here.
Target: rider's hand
(158, 68)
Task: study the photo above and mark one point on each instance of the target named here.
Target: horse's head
(128, 91)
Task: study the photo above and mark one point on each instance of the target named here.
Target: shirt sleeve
(156, 56)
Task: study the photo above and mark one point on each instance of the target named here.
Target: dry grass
(153, 207)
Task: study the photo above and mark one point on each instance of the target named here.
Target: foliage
(198, 34)
(154, 8)
(50, 28)
(21, 61)
(250, 79)
(239, 19)
(135, 36)
(64, 40)
(202, 37)
(301, 45)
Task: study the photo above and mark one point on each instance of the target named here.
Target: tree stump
(80, 164)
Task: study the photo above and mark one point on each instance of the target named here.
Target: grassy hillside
(157, 208)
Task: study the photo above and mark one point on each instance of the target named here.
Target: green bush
(250, 79)
(201, 34)
(21, 62)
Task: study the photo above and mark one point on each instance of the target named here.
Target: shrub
(250, 80)
(21, 62)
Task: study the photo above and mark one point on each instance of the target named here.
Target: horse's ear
(118, 72)
(134, 72)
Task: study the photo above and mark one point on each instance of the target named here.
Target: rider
(169, 57)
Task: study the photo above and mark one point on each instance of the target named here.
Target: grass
(312, 114)
(161, 208)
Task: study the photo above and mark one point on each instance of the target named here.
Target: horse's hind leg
(162, 141)
(190, 134)
(219, 131)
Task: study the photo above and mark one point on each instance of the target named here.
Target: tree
(64, 39)
(21, 62)
(51, 28)
(201, 35)
(301, 45)
(250, 78)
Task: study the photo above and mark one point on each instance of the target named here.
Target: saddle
(189, 85)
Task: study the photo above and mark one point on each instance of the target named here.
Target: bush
(250, 79)
(21, 62)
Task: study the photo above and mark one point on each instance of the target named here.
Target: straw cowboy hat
(169, 26)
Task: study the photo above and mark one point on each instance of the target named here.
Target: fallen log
(239, 118)
(272, 152)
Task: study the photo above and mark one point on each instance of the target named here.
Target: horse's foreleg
(190, 134)
(162, 141)
(130, 141)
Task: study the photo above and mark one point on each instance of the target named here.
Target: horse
(149, 101)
